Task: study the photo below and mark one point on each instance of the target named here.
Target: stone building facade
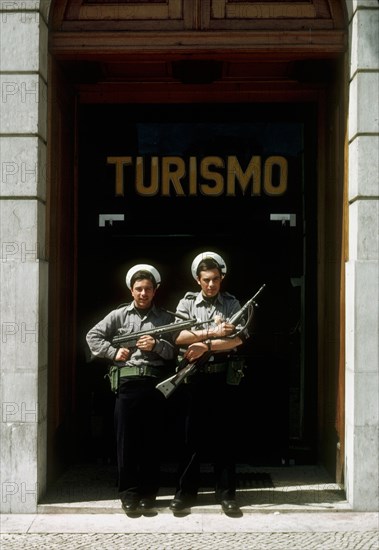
(27, 185)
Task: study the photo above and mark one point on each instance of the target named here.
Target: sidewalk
(282, 508)
(196, 531)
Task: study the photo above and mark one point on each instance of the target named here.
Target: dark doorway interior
(265, 237)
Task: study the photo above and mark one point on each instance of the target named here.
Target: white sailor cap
(203, 256)
(142, 267)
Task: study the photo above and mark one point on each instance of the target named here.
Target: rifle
(241, 312)
(130, 339)
(185, 368)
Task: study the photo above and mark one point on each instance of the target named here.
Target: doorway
(158, 184)
(274, 173)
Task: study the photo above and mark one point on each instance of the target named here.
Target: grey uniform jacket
(127, 320)
(193, 306)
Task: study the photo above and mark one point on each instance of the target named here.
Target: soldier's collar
(200, 298)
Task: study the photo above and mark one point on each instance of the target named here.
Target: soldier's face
(210, 282)
(143, 293)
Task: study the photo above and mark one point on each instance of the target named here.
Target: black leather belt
(211, 368)
(143, 370)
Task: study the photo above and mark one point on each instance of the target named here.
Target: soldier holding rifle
(139, 406)
(209, 415)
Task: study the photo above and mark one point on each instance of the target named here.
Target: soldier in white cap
(209, 414)
(139, 406)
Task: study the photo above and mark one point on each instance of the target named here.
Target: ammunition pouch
(114, 377)
(234, 373)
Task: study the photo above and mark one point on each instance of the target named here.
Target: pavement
(282, 508)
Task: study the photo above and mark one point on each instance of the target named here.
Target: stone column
(24, 273)
(362, 274)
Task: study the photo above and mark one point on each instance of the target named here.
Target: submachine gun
(185, 368)
(129, 340)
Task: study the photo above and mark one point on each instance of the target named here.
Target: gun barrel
(237, 316)
(157, 331)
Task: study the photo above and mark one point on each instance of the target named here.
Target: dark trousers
(138, 423)
(209, 428)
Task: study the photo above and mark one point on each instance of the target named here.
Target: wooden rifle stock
(185, 369)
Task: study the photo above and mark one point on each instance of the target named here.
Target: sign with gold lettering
(174, 166)
(183, 176)
(210, 176)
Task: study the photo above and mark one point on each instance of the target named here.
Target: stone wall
(362, 274)
(24, 270)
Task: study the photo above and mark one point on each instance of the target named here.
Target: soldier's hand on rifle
(122, 354)
(223, 329)
(145, 343)
(195, 351)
